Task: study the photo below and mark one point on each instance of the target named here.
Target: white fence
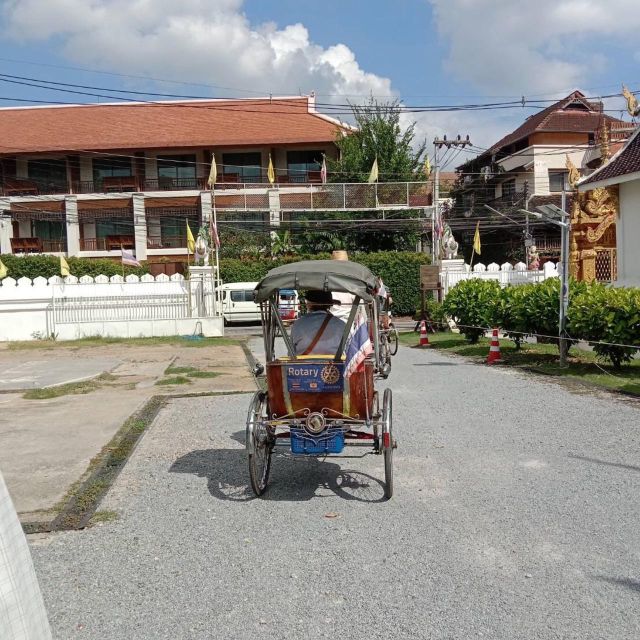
(506, 274)
(72, 308)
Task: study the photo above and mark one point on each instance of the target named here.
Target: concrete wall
(628, 234)
(27, 308)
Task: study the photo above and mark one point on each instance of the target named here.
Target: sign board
(309, 377)
(429, 277)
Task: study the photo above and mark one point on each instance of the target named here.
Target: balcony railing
(108, 243)
(167, 242)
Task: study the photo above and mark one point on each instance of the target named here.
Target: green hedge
(400, 272)
(603, 314)
(596, 313)
(34, 266)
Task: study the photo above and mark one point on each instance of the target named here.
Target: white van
(235, 302)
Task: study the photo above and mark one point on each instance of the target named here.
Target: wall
(628, 234)
(131, 307)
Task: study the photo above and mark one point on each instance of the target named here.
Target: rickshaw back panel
(284, 399)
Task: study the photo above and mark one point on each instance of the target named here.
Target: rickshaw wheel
(393, 339)
(387, 442)
(259, 443)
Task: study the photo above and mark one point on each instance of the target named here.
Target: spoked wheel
(385, 356)
(388, 443)
(259, 442)
(393, 339)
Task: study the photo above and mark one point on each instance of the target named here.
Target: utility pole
(438, 143)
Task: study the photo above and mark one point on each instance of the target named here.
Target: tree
(378, 135)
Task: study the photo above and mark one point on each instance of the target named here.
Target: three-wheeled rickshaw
(318, 403)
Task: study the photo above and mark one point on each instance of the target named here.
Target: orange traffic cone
(494, 349)
(424, 338)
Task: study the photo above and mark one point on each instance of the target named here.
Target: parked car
(235, 302)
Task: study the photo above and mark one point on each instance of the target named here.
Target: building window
(50, 175)
(177, 171)
(557, 181)
(110, 168)
(299, 163)
(114, 227)
(509, 188)
(243, 166)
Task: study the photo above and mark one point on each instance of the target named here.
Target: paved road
(515, 516)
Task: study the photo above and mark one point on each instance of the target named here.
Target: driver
(319, 331)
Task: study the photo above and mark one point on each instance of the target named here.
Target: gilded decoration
(593, 217)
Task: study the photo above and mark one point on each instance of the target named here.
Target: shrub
(604, 314)
(34, 266)
(474, 305)
(400, 271)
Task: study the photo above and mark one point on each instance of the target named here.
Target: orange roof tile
(194, 123)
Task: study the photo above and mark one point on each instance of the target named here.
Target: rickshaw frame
(351, 416)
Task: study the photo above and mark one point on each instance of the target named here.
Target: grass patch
(86, 386)
(103, 516)
(583, 366)
(174, 380)
(98, 341)
(171, 370)
(204, 374)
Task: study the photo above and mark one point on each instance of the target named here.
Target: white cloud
(203, 41)
(507, 47)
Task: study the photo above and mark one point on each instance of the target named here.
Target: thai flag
(323, 170)
(129, 258)
(359, 344)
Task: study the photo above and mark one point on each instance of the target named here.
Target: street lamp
(555, 215)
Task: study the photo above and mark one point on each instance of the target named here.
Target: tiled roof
(195, 123)
(626, 161)
(559, 117)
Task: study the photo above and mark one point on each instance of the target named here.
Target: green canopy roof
(326, 275)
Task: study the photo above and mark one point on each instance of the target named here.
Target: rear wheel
(392, 336)
(259, 442)
(388, 443)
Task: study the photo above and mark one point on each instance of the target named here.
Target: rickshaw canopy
(325, 275)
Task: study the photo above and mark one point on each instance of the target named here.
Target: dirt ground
(48, 437)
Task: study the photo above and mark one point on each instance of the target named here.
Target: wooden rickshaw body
(309, 400)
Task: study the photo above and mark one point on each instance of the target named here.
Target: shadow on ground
(293, 478)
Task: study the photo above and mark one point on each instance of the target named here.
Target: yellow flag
(427, 168)
(476, 239)
(3, 270)
(64, 267)
(191, 243)
(271, 174)
(213, 174)
(373, 176)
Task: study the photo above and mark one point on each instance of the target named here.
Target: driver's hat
(317, 296)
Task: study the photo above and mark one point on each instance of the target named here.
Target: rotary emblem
(330, 374)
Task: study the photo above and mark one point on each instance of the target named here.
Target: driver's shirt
(306, 327)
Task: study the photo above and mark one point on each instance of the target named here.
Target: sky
(421, 52)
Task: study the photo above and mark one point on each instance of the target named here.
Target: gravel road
(515, 516)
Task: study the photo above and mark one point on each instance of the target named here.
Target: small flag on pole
(323, 170)
(271, 174)
(64, 267)
(191, 243)
(213, 173)
(129, 258)
(476, 239)
(3, 270)
(359, 344)
(373, 176)
(427, 168)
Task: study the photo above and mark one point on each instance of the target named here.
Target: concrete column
(140, 226)
(205, 207)
(274, 207)
(6, 227)
(73, 226)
